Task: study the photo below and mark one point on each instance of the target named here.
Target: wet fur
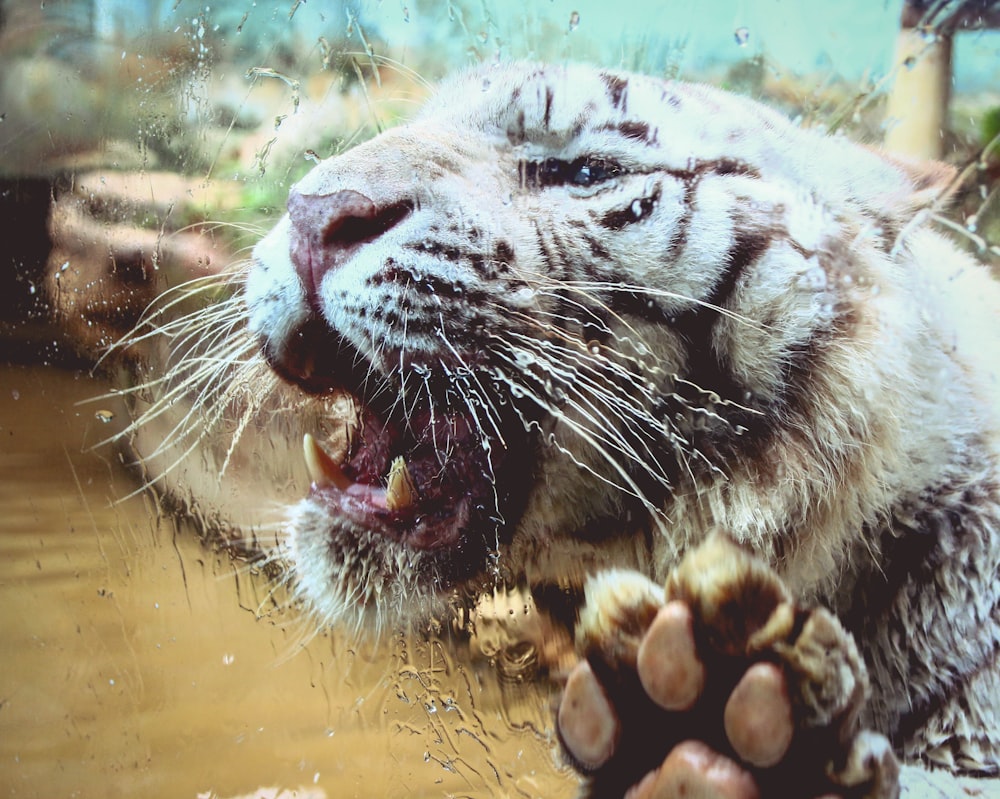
(750, 327)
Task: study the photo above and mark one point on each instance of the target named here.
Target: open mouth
(441, 470)
(425, 479)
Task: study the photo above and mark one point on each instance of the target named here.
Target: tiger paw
(720, 687)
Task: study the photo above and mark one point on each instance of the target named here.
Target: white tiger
(586, 318)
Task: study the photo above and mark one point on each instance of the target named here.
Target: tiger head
(568, 305)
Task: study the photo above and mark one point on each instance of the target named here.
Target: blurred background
(147, 142)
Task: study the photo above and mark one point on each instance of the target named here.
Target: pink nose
(328, 228)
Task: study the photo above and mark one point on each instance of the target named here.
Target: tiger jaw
(424, 481)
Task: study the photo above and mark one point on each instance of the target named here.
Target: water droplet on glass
(104, 416)
(574, 20)
(637, 209)
(594, 347)
(910, 62)
(523, 296)
(524, 359)
(406, 14)
(742, 36)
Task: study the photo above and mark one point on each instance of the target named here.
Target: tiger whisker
(586, 403)
(627, 486)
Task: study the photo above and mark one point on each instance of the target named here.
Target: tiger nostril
(326, 228)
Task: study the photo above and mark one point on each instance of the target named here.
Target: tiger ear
(931, 181)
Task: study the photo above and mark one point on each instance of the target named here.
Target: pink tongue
(327, 476)
(369, 495)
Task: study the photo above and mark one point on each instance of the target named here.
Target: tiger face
(583, 317)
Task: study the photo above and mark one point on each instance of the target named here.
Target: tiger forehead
(554, 106)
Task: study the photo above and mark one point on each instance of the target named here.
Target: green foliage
(989, 126)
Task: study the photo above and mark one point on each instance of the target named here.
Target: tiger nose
(328, 228)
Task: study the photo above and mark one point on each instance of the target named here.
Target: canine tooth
(323, 470)
(400, 493)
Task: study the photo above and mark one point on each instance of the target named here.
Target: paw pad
(720, 688)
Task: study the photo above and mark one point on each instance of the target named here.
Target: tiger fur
(601, 315)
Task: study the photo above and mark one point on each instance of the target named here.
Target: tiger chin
(717, 373)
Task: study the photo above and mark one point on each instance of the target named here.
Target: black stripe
(517, 130)
(637, 131)
(547, 117)
(561, 248)
(498, 263)
(750, 245)
(543, 245)
(597, 249)
(617, 89)
(691, 179)
(621, 217)
(707, 370)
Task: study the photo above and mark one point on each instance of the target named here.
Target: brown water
(136, 662)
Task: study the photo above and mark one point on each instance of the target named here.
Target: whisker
(592, 438)
(601, 426)
(588, 288)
